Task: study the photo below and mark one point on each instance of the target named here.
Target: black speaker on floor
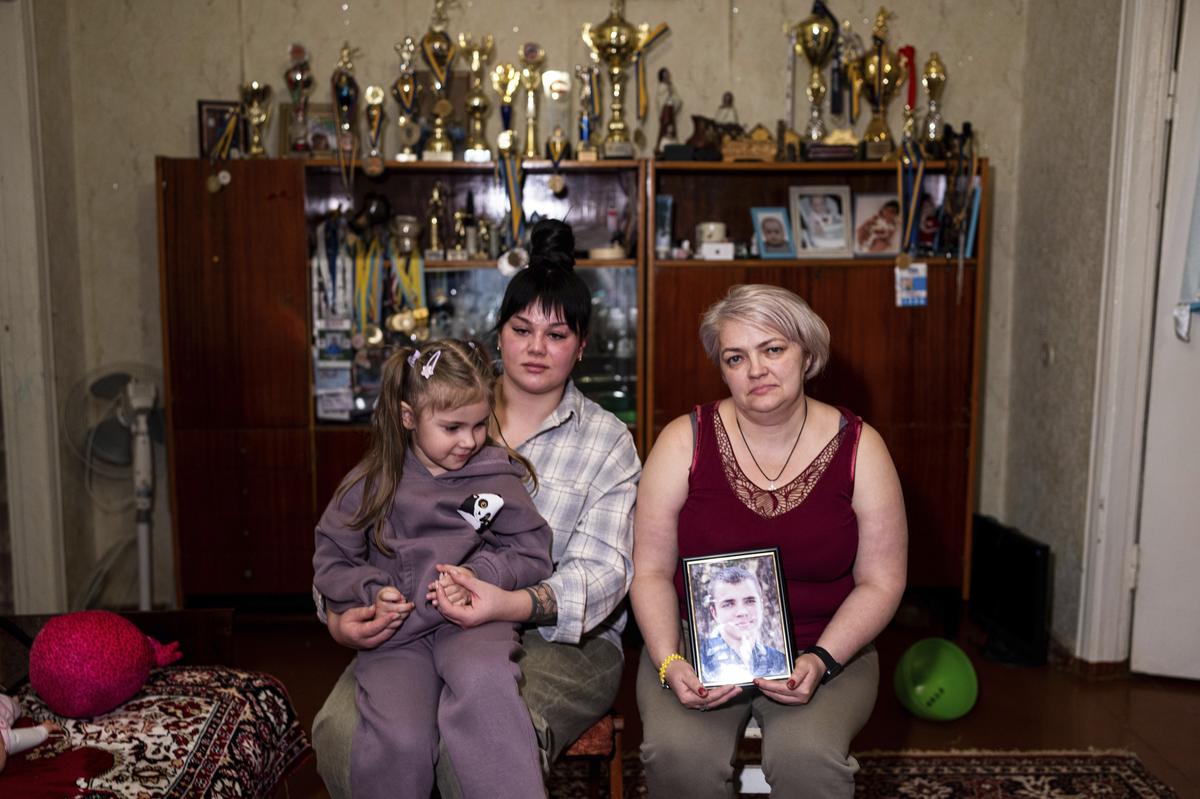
(1010, 592)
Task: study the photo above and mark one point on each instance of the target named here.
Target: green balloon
(935, 680)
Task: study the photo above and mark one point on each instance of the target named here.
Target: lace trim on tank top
(769, 504)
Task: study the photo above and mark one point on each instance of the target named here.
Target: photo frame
(322, 130)
(738, 616)
(929, 214)
(773, 233)
(820, 221)
(211, 116)
(877, 224)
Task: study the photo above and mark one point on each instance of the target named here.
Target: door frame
(1137, 178)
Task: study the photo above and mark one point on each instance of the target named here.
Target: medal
(213, 184)
(373, 335)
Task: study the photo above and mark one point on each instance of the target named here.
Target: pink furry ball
(85, 664)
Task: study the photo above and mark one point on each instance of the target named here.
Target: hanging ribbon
(643, 98)
(512, 175)
(912, 168)
(428, 42)
(593, 75)
(411, 276)
(220, 150)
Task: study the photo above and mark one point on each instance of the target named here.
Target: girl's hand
(690, 692)
(389, 601)
(485, 602)
(800, 687)
(455, 593)
(369, 626)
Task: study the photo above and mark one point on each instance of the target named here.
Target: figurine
(726, 114)
(668, 109)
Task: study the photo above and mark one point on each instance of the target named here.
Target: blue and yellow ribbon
(440, 71)
(643, 98)
(513, 177)
(220, 150)
(911, 173)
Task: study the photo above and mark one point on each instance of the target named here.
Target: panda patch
(480, 509)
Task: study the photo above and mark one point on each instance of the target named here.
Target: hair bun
(552, 244)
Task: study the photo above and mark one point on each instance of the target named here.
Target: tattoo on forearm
(545, 606)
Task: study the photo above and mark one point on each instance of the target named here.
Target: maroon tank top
(810, 519)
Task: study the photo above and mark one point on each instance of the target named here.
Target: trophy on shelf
(299, 82)
(436, 208)
(532, 58)
(883, 75)
(407, 93)
(816, 36)
(345, 101)
(256, 98)
(373, 160)
(437, 50)
(589, 109)
(614, 43)
(933, 131)
(476, 54)
(908, 130)
(506, 78)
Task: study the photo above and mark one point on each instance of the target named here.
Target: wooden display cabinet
(250, 467)
(910, 372)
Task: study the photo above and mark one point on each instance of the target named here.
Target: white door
(1166, 632)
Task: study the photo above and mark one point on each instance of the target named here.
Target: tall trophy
(476, 54)
(532, 58)
(614, 43)
(933, 132)
(373, 160)
(345, 101)
(437, 50)
(589, 109)
(407, 92)
(883, 75)
(256, 97)
(299, 82)
(435, 209)
(506, 79)
(816, 36)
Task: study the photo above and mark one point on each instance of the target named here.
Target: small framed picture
(321, 126)
(929, 214)
(213, 115)
(877, 224)
(773, 233)
(819, 221)
(737, 611)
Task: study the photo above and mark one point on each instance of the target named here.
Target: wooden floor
(1018, 707)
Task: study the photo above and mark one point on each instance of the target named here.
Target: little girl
(432, 489)
(14, 741)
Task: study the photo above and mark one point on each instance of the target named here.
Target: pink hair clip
(412, 359)
(427, 369)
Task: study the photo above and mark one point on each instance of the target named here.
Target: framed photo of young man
(737, 612)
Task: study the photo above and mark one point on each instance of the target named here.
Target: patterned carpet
(948, 775)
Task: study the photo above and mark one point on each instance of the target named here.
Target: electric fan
(111, 420)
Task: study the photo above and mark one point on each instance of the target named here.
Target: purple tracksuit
(431, 677)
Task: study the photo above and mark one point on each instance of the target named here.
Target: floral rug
(948, 775)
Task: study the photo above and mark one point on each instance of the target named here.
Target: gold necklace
(771, 480)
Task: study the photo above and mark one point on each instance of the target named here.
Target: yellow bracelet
(662, 670)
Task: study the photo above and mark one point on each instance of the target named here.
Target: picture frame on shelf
(773, 232)
(929, 214)
(211, 116)
(877, 224)
(820, 216)
(322, 130)
(736, 604)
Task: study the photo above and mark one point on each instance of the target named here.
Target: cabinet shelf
(484, 263)
(786, 166)
(811, 263)
(531, 165)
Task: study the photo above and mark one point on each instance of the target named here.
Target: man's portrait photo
(738, 619)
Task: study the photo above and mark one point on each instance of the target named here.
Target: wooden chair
(600, 744)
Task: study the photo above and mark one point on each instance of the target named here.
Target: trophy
(345, 100)
(815, 38)
(933, 132)
(407, 92)
(373, 161)
(589, 109)
(908, 132)
(256, 97)
(436, 207)
(476, 54)
(532, 58)
(883, 75)
(615, 42)
(437, 50)
(299, 82)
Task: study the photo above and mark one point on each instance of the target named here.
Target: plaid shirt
(587, 469)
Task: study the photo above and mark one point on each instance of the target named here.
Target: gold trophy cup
(407, 92)
(933, 132)
(476, 54)
(815, 38)
(613, 42)
(256, 97)
(882, 75)
(437, 49)
(532, 58)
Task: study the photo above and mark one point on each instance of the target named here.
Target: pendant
(771, 486)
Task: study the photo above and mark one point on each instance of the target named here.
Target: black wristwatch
(832, 667)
